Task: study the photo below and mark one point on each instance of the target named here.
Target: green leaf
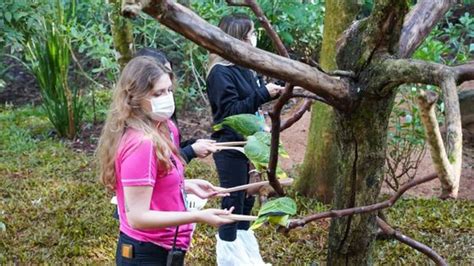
(287, 38)
(8, 16)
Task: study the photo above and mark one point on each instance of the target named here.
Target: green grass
(55, 211)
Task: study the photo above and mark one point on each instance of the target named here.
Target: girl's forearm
(160, 219)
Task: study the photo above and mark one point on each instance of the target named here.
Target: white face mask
(162, 107)
(253, 40)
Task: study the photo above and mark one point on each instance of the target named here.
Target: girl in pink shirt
(140, 161)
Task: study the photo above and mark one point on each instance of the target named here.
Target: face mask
(253, 40)
(162, 107)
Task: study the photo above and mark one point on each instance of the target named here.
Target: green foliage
(449, 43)
(19, 21)
(49, 57)
(299, 25)
(406, 139)
(100, 100)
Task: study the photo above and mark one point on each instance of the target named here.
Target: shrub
(49, 56)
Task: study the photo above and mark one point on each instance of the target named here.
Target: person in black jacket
(233, 90)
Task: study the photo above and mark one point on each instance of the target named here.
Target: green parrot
(277, 211)
(244, 124)
(259, 154)
(266, 137)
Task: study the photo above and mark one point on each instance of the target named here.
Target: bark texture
(317, 176)
(122, 34)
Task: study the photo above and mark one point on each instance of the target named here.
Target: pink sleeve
(138, 166)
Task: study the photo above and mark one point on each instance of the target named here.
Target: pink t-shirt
(136, 165)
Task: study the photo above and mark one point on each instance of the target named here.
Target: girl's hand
(212, 217)
(274, 89)
(203, 189)
(203, 147)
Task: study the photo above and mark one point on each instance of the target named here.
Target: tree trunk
(122, 34)
(317, 177)
(359, 178)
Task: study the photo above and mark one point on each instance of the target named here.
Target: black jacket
(185, 148)
(234, 90)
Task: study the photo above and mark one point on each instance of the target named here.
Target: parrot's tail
(217, 127)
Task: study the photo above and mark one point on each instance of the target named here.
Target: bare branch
(427, 101)
(362, 209)
(297, 116)
(275, 115)
(464, 72)
(453, 129)
(237, 3)
(419, 71)
(388, 230)
(419, 22)
(334, 90)
(309, 96)
(257, 10)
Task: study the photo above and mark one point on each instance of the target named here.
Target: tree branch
(237, 3)
(378, 32)
(275, 115)
(419, 22)
(464, 72)
(363, 209)
(308, 96)
(388, 230)
(257, 10)
(297, 115)
(185, 22)
(427, 101)
(453, 123)
(419, 71)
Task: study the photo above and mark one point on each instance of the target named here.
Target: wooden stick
(220, 148)
(287, 182)
(240, 217)
(230, 143)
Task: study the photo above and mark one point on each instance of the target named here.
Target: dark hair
(159, 56)
(237, 25)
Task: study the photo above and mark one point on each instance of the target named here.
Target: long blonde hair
(133, 88)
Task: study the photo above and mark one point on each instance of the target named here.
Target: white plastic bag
(243, 251)
(231, 253)
(249, 242)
